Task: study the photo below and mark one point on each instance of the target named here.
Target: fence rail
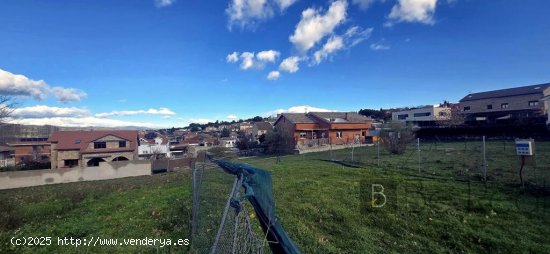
(470, 159)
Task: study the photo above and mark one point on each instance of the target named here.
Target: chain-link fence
(471, 158)
(218, 226)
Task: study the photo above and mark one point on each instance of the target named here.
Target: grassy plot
(445, 208)
(156, 206)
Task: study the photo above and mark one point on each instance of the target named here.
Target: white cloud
(80, 122)
(247, 60)
(248, 13)
(232, 58)
(297, 109)
(200, 120)
(333, 44)
(353, 36)
(41, 111)
(164, 3)
(251, 60)
(267, 55)
(420, 11)
(232, 117)
(273, 75)
(66, 95)
(314, 25)
(356, 35)
(151, 111)
(19, 85)
(379, 46)
(290, 64)
(283, 4)
(365, 4)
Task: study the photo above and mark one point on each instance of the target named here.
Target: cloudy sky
(171, 62)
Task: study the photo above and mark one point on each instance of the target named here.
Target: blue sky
(171, 62)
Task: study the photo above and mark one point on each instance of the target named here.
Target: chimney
(346, 116)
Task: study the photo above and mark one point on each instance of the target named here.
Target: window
(339, 134)
(422, 114)
(77, 141)
(121, 143)
(363, 133)
(303, 135)
(533, 103)
(402, 117)
(490, 106)
(99, 145)
(467, 108)
(504, 105)
(443, 113)
(71, 163)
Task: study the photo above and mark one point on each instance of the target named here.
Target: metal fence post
(418, 152)
(484, 161)
(378, 152)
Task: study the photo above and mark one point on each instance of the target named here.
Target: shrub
(396, 136)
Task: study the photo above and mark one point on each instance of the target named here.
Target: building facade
(89, 148)
(423, 116)
(525, 103)
(158, 146)
(36, 150)
(259, 129)
(321, 128)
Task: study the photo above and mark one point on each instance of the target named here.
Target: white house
(159, 146)
(423, 115)
(228, 142)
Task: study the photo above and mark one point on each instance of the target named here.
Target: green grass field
(324, 206)
(444, 208)
(156, 206)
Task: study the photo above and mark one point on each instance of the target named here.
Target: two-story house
(259, 129)
(36, 149)
(157, 146)
(526, 102)
(317, 128)
(89, 148)
(423, 116)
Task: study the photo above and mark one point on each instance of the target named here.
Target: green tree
(225, 133)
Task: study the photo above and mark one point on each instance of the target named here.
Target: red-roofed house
(317, 128)
(89, 148)
(32, 150)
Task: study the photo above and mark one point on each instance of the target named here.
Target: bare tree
(7, 105)
(396, 136)
(452, 118)
(157, 153)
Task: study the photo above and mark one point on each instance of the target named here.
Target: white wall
(434, 114)
(151, 149)
(105, 170)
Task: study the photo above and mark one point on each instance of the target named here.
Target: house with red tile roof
(319, 128)
(37, 150)
(89, 148)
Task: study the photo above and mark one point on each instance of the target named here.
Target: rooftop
(523, 90)
(79, 140)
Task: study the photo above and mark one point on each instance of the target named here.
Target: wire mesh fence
(469, 159)
(218, 224)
